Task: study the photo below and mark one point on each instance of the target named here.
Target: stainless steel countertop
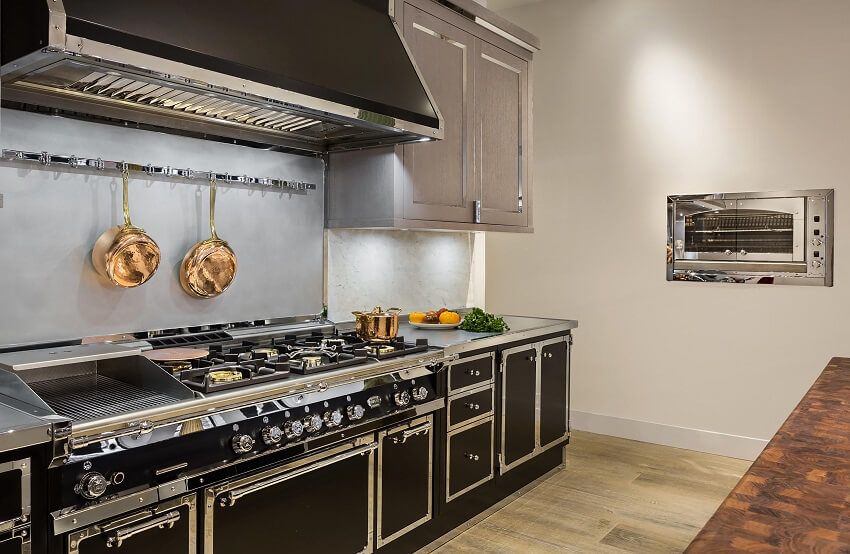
(455, 341)
(19, 429)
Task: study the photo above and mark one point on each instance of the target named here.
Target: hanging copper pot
(125, 254)
(210, 266)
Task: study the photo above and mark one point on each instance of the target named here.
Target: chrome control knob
(312, 423)
(272, 435)
(402, 398)
(332, 419)
(817, 242)
(242, 444)
(816, 264)
(355, 412)
(91, 486)
(293, 429)
(419, 393)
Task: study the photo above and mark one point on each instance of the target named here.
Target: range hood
(311, 75)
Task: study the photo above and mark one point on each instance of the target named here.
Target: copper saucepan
(377, 325)
(125, 254)
(210, 266)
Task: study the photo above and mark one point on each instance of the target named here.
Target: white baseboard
(734, 446)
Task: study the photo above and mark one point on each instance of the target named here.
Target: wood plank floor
(614, 496)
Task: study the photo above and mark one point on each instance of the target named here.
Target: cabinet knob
(473, 372)
(472, 457)
(743, 252)
(532, 358)
(472, 406)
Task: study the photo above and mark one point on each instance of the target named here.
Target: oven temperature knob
(402, 398)
(419, 393)
(312, 423)
(332, 419)
(355, 412)
(293, 429)
(242, 444)
(91, 486)
(272, 435)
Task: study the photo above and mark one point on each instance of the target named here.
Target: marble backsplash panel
(411, 270)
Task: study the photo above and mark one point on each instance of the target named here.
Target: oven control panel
(289, 424)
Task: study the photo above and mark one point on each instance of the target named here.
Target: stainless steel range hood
(316, 76)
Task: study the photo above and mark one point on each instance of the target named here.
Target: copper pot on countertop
(378, 325)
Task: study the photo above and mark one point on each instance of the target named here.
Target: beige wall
(637, 99)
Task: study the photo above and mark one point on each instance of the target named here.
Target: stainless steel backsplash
(51, 218)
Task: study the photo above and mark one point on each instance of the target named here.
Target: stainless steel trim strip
(495, 341)
(416, 424)
(749, 267)
(188, 174)
(502, 33)
(449, 496)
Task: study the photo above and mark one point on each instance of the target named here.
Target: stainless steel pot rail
(77, 162)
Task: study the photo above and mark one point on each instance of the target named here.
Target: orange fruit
(449, 317)
(416, 317)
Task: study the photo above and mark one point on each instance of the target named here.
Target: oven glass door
(751, 230)
(322, 503)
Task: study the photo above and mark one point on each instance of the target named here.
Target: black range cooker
(263, 432)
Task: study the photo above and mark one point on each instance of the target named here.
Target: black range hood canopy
(317, 75)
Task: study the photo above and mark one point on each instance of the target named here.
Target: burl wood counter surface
(796, 495)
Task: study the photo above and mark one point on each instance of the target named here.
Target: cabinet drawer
(470, 405)
(471, 372)
(470, 458)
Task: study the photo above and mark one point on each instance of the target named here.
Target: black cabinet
(169, 528)
(471, 372)
(519, 404)
(534, 399)
(470, 405)
(405, 473)
(15, 541)
(470, 457)
(321, 503)
(554, 392)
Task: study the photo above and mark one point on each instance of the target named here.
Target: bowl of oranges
(435, 319)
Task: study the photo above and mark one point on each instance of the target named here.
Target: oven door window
(763, 230)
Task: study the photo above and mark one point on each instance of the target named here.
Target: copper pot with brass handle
(377, 325)
(210, 266)
(125, 254)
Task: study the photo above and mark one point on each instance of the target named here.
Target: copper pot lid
(175, 354)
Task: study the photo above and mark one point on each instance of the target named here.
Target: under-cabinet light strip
(47, 159)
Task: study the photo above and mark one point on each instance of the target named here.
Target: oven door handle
(230, 497)
(421, 429)
(116, 538)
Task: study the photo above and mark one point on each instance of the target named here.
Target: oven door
(730, 234)
(168, 528)
(321, 503)
(405, 471)
(15, 497)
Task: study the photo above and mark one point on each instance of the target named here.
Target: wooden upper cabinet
(501, 135)
(437, 177)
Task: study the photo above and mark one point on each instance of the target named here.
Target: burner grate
(84, 397)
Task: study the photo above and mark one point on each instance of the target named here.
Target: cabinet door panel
(554, 383)
(470, 458)
(436, 173)
(519, 394)
(501, 134)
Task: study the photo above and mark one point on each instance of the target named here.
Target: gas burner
(394, 348)
(315, 360)
(377, 349)
(309, 362)
(224, 376)
(264, 352)
(213, 377)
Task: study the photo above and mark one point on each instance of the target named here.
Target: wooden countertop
(796, 495)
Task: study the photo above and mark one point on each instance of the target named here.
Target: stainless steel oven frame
(809, 263)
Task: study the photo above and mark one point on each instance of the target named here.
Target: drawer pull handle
(166, 521)
(532, 358)
(472, 457)
(472, 406)
(473, 372)
(422, 429)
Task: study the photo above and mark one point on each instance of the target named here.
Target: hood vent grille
(130, 90)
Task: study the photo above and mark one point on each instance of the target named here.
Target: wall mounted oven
(751, 237)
